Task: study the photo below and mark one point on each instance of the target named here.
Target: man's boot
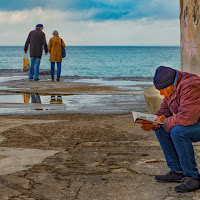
(170, 177)
(188, 184)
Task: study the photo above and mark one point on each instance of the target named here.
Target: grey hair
(55, 32)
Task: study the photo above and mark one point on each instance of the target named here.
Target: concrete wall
(190, 35)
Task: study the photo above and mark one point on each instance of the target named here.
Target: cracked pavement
(96, 157)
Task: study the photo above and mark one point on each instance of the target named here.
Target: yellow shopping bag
(26, 64)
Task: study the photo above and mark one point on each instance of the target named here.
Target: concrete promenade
(63, 156)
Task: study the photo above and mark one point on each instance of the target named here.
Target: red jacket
(183, 106)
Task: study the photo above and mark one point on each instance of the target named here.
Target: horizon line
(103, 45)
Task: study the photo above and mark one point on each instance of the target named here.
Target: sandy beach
(81, 153)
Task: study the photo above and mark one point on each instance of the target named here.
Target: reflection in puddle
(71, 103)
(36, 99)
(56, 100)
(32, 103)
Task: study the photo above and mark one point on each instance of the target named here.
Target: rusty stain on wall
(185, 15)
(181, 8)
(190, 37)
(196, 12)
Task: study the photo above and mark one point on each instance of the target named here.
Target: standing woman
(55, 50)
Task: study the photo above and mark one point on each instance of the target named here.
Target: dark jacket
(37, 40)
(183, 106)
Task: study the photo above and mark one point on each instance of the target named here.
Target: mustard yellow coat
(54, 48)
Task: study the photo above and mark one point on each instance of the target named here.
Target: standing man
(180, 113)
(37, 41)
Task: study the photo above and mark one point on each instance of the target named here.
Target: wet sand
(80, 156)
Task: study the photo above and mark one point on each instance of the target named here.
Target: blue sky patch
(105, 9)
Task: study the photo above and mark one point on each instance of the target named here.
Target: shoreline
(20, 72)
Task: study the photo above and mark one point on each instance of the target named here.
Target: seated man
(180, 113)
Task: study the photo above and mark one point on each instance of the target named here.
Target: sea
(102, 61)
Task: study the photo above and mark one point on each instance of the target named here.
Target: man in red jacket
(37, 41)
(180, 113)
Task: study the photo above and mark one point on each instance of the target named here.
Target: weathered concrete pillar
(190, 35)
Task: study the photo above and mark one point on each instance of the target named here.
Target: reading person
(180, 113)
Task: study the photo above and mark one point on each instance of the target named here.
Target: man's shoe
(188, 184)
(57, 79)
(37, 79)
(52, 78)
(170, 177)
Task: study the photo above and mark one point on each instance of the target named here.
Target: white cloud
(140, 32)
(74, 31)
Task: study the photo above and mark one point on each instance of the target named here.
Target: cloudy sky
(93, 22)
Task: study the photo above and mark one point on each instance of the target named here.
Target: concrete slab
(100, 157)
(18, 159)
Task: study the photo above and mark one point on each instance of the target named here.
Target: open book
(140, 118)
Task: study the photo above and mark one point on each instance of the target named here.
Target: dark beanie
(164, 77)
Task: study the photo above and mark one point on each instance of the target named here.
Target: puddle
(12, 78)
(24, 99)
(82, 103)
(113, 82)
(121, 84)
(3, 87)
(7, 111)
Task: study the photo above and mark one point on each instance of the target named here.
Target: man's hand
(160, 118)
(147, 127)
(45, 53)
(25, 51)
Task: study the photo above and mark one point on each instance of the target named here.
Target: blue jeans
(178, 149)
(35, 99)
(34, 70)
(53, 69)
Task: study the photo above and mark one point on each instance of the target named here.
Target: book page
(139, 117)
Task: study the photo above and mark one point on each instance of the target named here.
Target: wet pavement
(21, 96)
(95, 104)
